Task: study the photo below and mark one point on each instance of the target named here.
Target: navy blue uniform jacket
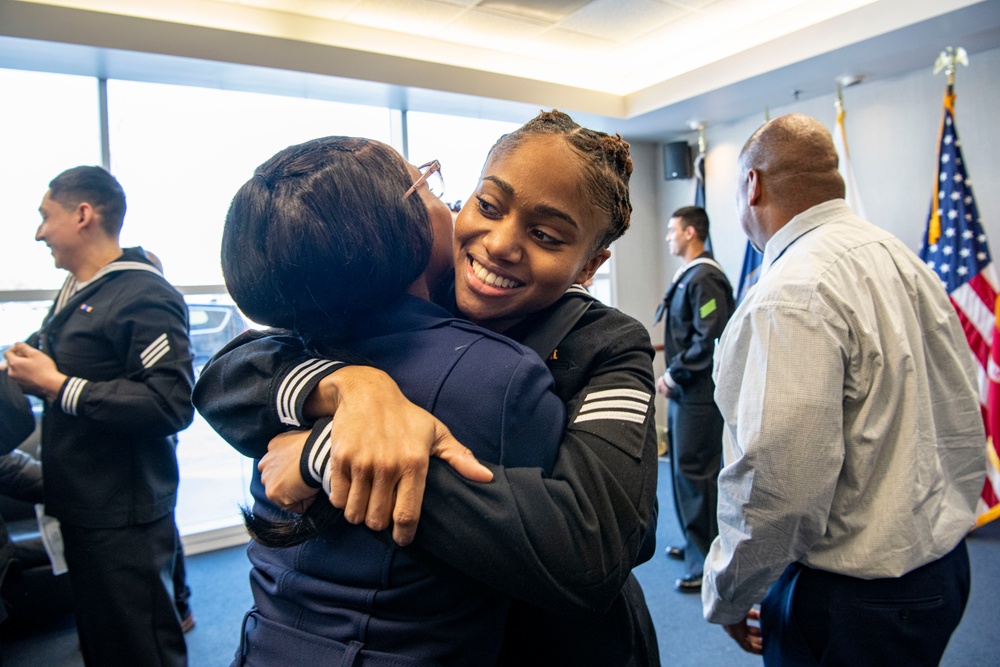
(108, 438)
(565, 544)
(350, 584)
(698, 306)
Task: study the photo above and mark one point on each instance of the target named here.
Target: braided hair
(607, 165)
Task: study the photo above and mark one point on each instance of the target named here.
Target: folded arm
(567, 541)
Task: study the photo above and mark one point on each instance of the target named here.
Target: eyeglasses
(430, 174)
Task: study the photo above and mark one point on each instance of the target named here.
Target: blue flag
(699, 191)
(750, 271)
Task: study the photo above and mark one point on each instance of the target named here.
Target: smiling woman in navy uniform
(564, 546)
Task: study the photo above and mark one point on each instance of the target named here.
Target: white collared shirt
(854, 438)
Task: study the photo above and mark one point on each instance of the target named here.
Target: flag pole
(839, 105)
(852, 194)
(948, 60)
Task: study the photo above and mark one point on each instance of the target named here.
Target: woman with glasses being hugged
(551, 199)
(323, 242)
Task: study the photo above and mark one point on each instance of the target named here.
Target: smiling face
(526, 234)
(58, 230)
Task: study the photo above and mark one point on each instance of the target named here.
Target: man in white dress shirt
(854, 438)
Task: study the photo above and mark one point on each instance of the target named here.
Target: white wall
(636, 254)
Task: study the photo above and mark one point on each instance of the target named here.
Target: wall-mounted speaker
(677, 161)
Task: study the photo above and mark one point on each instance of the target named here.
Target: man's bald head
(788, 166)
(796, 158)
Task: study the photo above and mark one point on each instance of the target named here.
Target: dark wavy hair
(608, 165)
(321, 235)
(317, 238)
(95, 186)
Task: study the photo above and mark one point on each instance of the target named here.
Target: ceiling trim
(110, 31)
(46, 37)
(842, 31)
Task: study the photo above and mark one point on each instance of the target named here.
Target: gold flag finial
(949, 59)
(699, 127)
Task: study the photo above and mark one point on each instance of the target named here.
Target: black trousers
(812, 617)
(182, 592)
(122, 580)
(695, 436)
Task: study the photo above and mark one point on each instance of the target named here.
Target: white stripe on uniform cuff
(71, 395)
(155, 351)
(320, 454)
(291, 387)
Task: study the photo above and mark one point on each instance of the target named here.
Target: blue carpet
(221, 595)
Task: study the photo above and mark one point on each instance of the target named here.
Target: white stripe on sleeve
(291, 387)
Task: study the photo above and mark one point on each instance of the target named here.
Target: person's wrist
(352, 381)
(668, 380)
(315, 456)
(326, 396)
(53, 386)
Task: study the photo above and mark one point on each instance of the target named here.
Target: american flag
(955, 248)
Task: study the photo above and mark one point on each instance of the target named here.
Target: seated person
(20, 478)
(16, 419)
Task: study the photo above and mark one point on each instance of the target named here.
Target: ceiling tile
(621, 21)
(415, 17)
(575, 45)
(334, 10)
(485, 28)
(688, 4)
(546, 11)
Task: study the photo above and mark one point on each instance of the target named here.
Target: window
(56, 127)
(460, 144)
(181, 153)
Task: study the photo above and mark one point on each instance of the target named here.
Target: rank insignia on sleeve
(708, 308)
